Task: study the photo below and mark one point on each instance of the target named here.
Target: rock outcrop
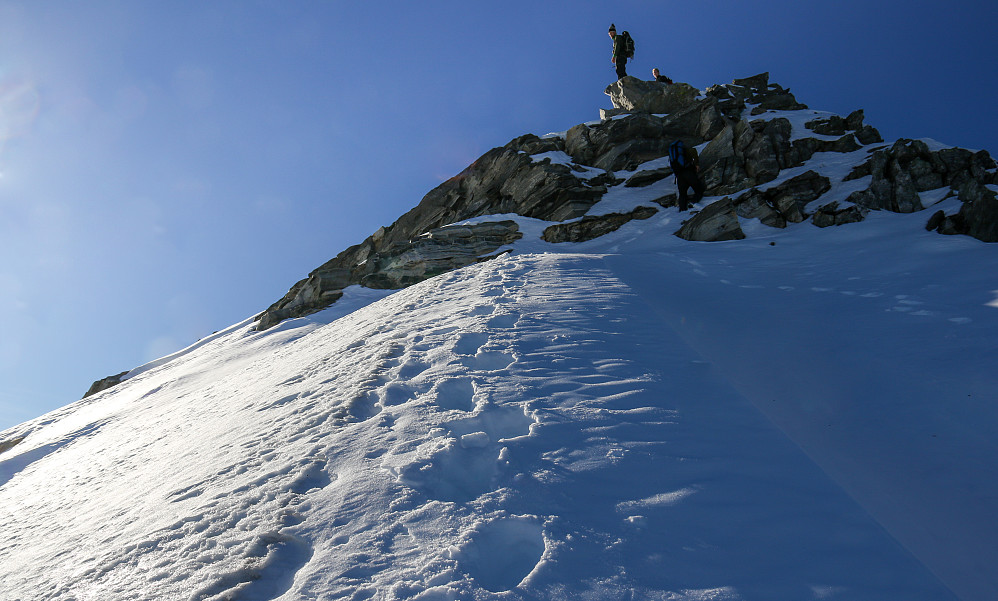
(977, 217)
(742, 149)
(592, 227)
(437, 251)
(752, 153)
(104, 384)
(7, 445)
(639, 96)
(756, 90)
(647, 177)
(785, 203)
(831, 214)
(717, 222)
(908, 167)
(837, 126)
(625, 142)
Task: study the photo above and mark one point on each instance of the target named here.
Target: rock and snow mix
(804, 414)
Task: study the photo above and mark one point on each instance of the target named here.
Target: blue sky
(168, 169)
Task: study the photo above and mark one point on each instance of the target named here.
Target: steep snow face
(557, 425)
(805, 414)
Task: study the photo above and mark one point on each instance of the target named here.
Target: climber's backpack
(677, 154)
(628, 45)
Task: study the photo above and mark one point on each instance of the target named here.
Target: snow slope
(805, 414)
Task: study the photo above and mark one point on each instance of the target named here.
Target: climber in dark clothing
(659, 77)
(619, 57)
(685, 164)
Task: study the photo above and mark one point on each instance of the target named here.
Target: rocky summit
(761, 160)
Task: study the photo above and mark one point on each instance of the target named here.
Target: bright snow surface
(805, 414)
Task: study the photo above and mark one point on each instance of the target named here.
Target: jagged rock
(837, 126)
(803, 149)
(755, 82)
(909, 167)
(854, 120)
(625, 143)
(758, 90)
(591, 227)
(746, 154)
(978, 215)
(639, 96)
(935, 221)
(441, 250)
(648, 177)
(830, 214)
(784, 203)
(618, 144)
(868, 135)
(104, 384)
(832, 126)
(715, 223)
(729, 106)
(437, 251)
(503, 180)
(7, 445)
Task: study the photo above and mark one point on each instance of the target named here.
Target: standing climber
(623, 49)
(686, 165)
(659, 77)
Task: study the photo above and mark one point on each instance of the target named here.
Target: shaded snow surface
(805, 414)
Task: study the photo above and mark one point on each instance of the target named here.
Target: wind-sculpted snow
(528, 428)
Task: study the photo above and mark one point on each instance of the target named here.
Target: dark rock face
(715, 223)
(909, 167)
(837, 126)
(7, 445)
(830, 214)
(647, 178)
(441, 250)
(437, 251)
(503, 180)
(746, 154)
(768, 96)
(591, 227)
(626, 142)
(784, 203)
(104, 384)
(977, 217)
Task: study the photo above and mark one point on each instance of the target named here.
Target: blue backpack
(677, 154)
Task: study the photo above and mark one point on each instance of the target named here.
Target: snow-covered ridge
(802, 414)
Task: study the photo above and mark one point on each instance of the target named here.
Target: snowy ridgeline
(806, 414)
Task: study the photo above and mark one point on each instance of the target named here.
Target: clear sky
(168, 169)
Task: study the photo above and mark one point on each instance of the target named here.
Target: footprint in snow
(456, 393)
(469, 460)
(502, 553)
(504, 321)
(469, 343)
(489, 360)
